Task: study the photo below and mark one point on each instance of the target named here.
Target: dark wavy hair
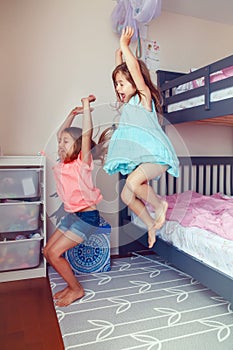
(76, 134)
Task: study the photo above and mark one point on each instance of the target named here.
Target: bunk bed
(207, 176)
(204, 95)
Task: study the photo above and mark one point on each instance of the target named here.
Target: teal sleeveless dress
(139, 139)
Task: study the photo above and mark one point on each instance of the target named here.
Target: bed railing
(168, 81)
(205, 175)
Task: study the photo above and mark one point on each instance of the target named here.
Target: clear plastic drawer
(19, 216)
(19, 183)
(22, 254)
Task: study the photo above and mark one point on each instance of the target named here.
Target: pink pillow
(228, 72)
(217, 76)
(198, 82)
(213, 77)
(222, 74)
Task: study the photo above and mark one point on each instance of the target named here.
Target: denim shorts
(81, 224)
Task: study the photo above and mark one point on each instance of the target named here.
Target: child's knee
(45, 252)
(131, 184)
(127, 195)
(48, 254)
(123, 197)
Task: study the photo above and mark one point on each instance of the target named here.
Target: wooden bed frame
(210, 112)
(206, 175)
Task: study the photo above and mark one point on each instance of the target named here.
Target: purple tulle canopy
(133, 12)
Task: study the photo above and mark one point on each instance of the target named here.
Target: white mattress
(205, 246)
(197, 101)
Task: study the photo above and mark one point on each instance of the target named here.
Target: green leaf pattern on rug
(60, 315)
(144, 286)
(103, 279)
(223, 330)
(123, 267)
(144, 304)
(106, 328)
(89, 294)
(153, 272)
(175, 315)
(154, 343)
(124, 305)
(182, 295)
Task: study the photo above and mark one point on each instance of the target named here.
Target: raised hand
(126, 35)
(76, 111)
(79, 110)
(90, 98)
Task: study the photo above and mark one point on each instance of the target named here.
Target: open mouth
(122, 97)
(61, 153)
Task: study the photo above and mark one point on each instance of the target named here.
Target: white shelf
(17, 275)
(22, 161)
(16, 162)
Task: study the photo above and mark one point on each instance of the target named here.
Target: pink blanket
(213, 213)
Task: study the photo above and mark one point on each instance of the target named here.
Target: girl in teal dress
(139, 147)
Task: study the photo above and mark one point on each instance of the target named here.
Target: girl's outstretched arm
(118, 57)
(134, 67)
(87, 128)
(69, 120)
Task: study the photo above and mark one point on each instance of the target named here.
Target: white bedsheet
(205, 246)
(197, 101)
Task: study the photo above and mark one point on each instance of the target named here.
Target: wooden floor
(27, 316)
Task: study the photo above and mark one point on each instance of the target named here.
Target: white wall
(190, 42)
(185, 43)
(53, 52)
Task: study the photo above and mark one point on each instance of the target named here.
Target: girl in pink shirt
(73, 176)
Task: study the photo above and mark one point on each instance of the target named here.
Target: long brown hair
(155, 93)
(76, 134)
(103, 142)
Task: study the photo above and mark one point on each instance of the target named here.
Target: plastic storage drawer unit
(23, 254)
(20, 216)
(19, 183)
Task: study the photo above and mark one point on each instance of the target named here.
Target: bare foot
(61, 293)
(70, 296)
(161, 217)
(151, 236)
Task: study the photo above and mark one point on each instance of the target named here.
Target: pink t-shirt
(75, 185)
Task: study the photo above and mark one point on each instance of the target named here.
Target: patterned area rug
(144, 304)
